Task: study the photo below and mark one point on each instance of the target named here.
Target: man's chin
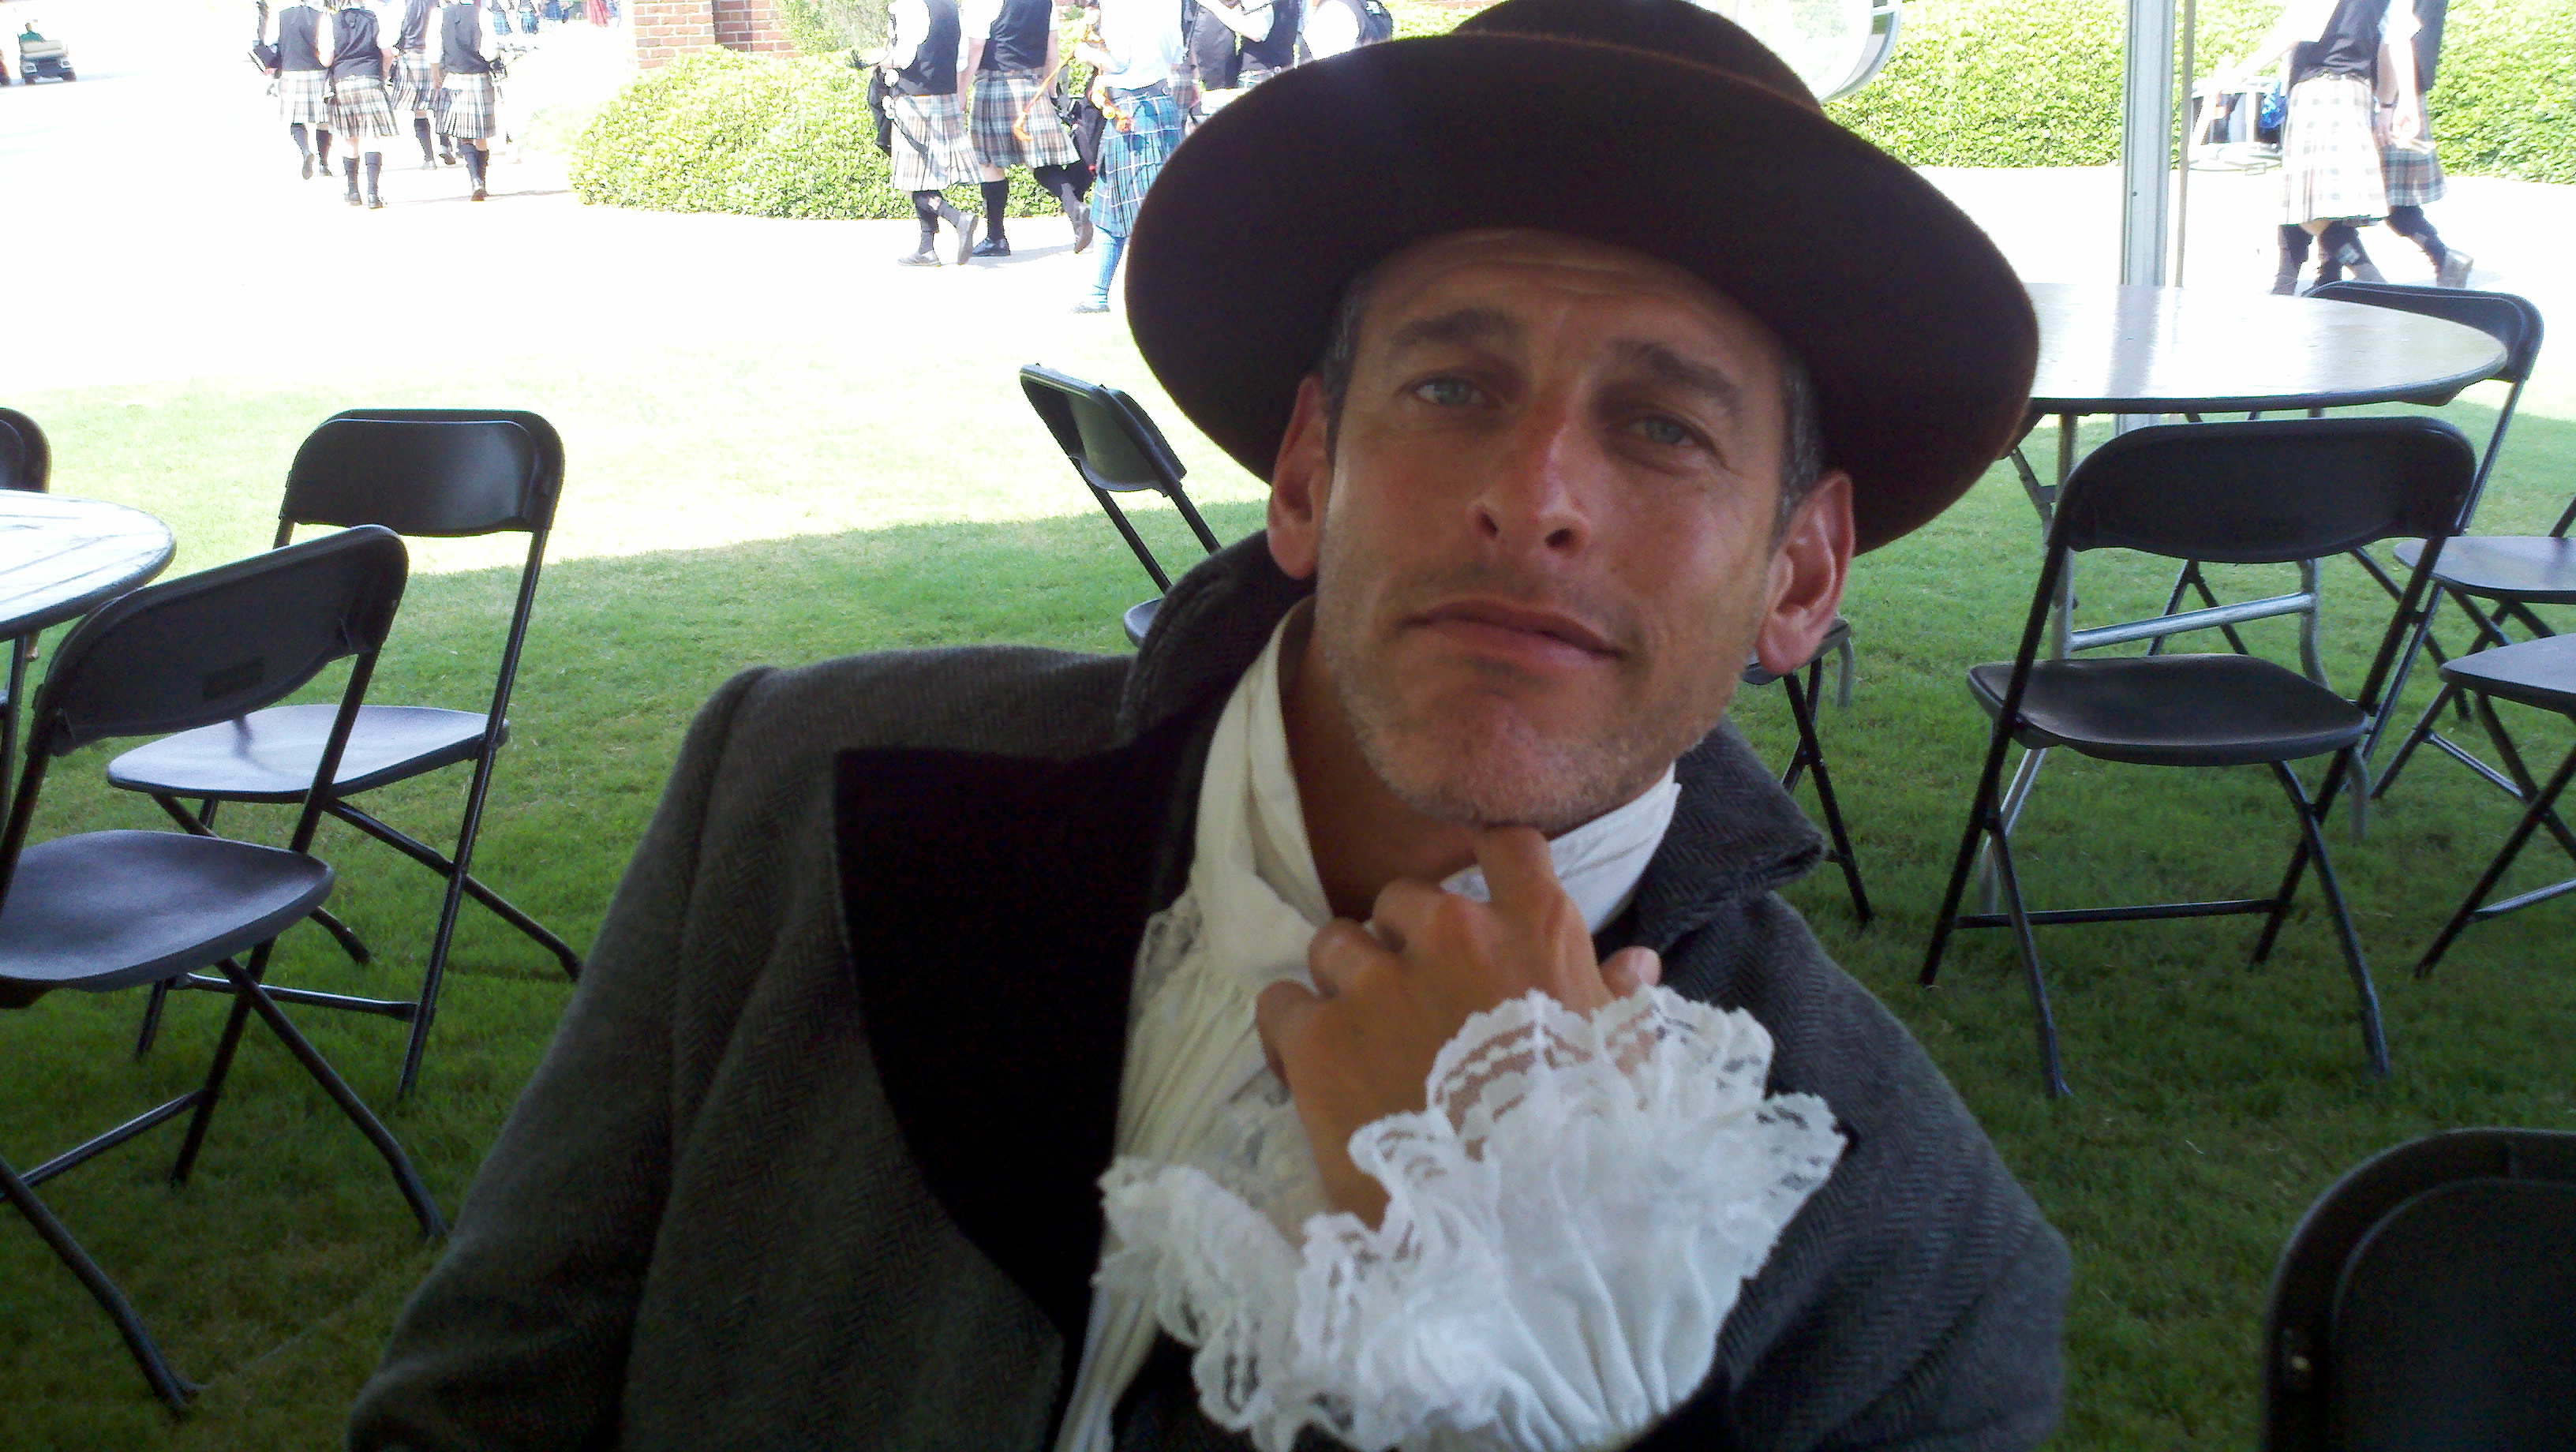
(1489, 778)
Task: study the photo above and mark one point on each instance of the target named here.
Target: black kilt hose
(360, 107)
(1002, 100)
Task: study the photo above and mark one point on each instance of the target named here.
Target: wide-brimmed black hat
(1649, 124)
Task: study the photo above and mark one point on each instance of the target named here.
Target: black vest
(1019, 38)
(933, 71)
(414, 34)
(297, 26)
(2349, 47)
(459, 35)
(1278, 49)
(354, 50)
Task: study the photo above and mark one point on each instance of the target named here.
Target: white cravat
(1254, 901)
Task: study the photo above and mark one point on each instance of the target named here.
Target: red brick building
(665, 29)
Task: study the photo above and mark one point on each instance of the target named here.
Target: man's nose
(1535, 498)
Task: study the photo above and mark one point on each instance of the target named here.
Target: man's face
(1544, 537)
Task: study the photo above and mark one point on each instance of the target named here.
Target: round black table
(62, 558)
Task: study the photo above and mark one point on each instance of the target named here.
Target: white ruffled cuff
(1567, 1226)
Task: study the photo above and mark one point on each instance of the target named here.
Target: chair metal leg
(200, 823)
(2050, 1071)
(2374, 1040)
(438, 862)
(2281, 901)
(2025, 780)
(166, 1383)
(2471, 907)
(1812, 752)
(151, 1018)
(2416, 735)
(218, 1069)
(2524, 787)
(246, 990)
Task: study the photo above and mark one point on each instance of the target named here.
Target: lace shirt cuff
(1567, 1226)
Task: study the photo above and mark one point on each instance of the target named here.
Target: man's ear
(1807, 575)
(1300, 483)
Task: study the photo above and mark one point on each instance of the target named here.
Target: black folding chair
(2279, 492)
(2428, 1300)
(26, 461)
(1117, 450)
(2536, 673)
(427, 472)
(1803, 696)
(108, 910)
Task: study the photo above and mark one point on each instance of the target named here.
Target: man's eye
(1662, 431)
(1447, 392)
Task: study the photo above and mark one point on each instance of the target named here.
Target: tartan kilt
(304, 96)
(1001, 99)
(931, 150)
(359, 107)
(411, 82)
(469, 108)
(1132, 156)
(2414, 178)
(2330, 153)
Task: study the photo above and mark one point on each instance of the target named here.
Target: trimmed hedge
(1987, 83)
(718, 131)
(2037, 83)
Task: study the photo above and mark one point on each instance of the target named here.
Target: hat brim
(1917, 334)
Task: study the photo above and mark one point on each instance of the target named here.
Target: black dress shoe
(308, 168)
(375, 202)
(923, 258)
(993, 247)
(478, 191)
(965, 241)
(353, 199)
(1081, 215)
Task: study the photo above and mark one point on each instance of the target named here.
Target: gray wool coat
(810, 1161)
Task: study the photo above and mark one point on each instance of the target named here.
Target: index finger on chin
(1520, 877)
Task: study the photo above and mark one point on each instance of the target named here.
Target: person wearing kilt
(2330, 170)
(416, 79)
(1134, 44)
(303, 85)
(469, 100)
(931, 148)
(2413, 172)
(1011, 60)
(360, 110)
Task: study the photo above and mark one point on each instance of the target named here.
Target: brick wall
(666, 29)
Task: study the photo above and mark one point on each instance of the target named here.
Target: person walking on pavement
(1011, 60)
(303, 85)
(2413, 174)
(469, 100)
(360, 111)
(1134, 45)
(416, 79)
(931, 149)
(2330, 168)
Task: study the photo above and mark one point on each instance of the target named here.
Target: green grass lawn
(728, 507)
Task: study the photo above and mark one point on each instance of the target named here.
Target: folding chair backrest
(2270, 492)
(427, 471)
(1106, 434)
(2429, 1299)
(219, 644)
(25, 459)
(2510, 320)
(1116, 449)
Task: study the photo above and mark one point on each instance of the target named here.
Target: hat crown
(1674, 28)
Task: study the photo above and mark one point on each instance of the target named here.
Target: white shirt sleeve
(1332, 27)
(909, 21)
(2399, 25)
(1568, 1225)
(975, 19)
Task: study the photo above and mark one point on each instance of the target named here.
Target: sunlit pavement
(157, 229)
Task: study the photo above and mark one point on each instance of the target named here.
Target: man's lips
(1515, 629)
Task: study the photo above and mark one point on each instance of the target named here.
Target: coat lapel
(993, 907)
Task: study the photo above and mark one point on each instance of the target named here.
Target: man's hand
(1390, 995)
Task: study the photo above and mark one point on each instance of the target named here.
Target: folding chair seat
(422, 472)
(1803, 697)
(109, 910)
(2428, 1300)
(1116, 449)
(2540, 674)
(2495, 580)
(2282, 492)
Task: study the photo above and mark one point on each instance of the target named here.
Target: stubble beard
(1492, 767)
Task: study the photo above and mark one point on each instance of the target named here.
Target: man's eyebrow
(1464, 325)
(1710, 382)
